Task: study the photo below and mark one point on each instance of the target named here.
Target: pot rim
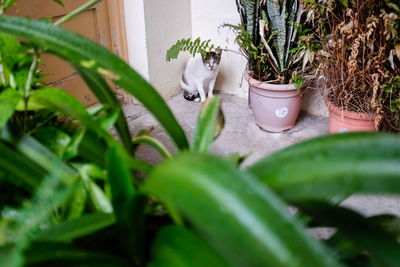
(269, 86)
(348, 113)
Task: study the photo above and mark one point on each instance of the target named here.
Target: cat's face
(211, 59)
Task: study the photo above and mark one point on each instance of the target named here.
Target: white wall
(136, 36)
(166, 22)
(207, 17)
(154, 25)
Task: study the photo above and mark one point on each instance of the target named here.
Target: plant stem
(28, 86)
(30, 75)
(233, 51)
(76, 12)
(2, 77)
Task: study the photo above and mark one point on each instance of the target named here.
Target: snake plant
(275, 36)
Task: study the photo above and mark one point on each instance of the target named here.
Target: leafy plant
(360, 55)
(391, 105)
(276, 37)
(193, 208)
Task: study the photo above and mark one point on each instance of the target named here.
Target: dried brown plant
(358, 58)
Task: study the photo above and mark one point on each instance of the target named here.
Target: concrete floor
(241, 134)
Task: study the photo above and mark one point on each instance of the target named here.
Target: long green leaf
(61, 254)
(76, 203)
(381, 245)
(209, 125)
(333, 165)
(277, 15)
(237, 215)
(128, 205)
(178, 247)
(88, 54)
(9, 99)
(58, 100)
(20, 166)
(153, 142)
(293, 7)
(70, 230)
(19, 230)
(94, 149)
(35, 152)
(106, 96)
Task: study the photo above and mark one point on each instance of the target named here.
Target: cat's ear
(219, 52)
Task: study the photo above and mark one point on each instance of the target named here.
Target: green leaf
(89, 54)
(380, 245)
(388, 222)
(76, 203)
(108, 120)
(236, 158)
(127, 204)
(138, 165)
(9, 47)
(32, 150)
(60, 254)
(176, 246)
(71, 230)
(17, 231)
(278, 25)
(209, 125)
(72, 149)
(9, 99)
(153, 142)
(7, 4)
(58, 100)
(334, 165)
(237, 216)
(120, 181)
(99, 198)
(59, 2)
(53, 139)
(92, 148)
(19, 166)
(106, 96)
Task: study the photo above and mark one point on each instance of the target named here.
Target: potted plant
(360, 63)
(276, 38)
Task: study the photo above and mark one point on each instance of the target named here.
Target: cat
(200, 75)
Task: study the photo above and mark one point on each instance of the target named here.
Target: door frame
(116, 13)
(119, 43)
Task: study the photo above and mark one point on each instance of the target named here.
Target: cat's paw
(197, 100)
(210, 95)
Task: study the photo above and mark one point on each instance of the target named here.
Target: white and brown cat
(200, 75)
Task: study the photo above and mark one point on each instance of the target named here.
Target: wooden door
(96, 23)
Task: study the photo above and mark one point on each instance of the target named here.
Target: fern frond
(193, 47)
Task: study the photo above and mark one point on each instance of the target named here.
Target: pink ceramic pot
(275, 106)
(341, 121)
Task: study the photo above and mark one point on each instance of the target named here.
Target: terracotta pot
(341, 120)
(275, 106)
